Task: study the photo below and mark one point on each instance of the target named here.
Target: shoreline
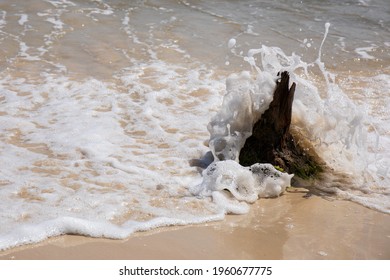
(289, 227)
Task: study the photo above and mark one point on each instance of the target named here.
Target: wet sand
(288, 227)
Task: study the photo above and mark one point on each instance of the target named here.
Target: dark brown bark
(272, 141)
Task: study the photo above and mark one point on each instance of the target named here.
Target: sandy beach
(288, 227)
(103, 105)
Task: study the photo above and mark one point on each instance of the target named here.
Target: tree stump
(272, 141)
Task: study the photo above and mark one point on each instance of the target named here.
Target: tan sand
(289, 227)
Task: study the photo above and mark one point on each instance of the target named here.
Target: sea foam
(245, 100)
(244, 184)
(326, 116)
(103, 104)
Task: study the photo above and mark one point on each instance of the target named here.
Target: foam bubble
(231, 43)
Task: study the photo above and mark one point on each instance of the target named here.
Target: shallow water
(103, 103)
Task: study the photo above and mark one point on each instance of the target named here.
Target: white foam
(2, 18)
(23, 19)
(57, 23)
(34, 233)
(94, 155)
(231, 43)
(249, 30)
(245, 100)
(363, 52)
(107, 154)
(245, 184)
(336, 125)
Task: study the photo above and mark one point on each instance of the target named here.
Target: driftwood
(272, 141)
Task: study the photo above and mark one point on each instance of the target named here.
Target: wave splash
(323, 114)
(139, 187)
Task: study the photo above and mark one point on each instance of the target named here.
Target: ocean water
(104, 103)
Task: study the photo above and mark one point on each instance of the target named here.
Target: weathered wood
(272, 141)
